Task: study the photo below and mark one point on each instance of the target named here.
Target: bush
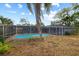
(4, 48)
(1, 32)
(1, 39)
(76, 31)
(67, 33)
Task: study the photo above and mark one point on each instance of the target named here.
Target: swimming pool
(24, 36)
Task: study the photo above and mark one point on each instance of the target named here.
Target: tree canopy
(6, 21)
(69, 16)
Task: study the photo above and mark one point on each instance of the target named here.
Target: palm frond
(42, 14)
(29, 6)
(47, 7)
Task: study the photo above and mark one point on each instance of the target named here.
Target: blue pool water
(23, 36)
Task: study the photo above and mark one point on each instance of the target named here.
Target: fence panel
(54, 30)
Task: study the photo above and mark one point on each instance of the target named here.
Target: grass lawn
(47, 46)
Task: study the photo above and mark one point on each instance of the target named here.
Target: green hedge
(4, 48)
(67, 33)
(1, 39)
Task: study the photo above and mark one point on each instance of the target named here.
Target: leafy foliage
(1, 39)
(6, 21)
(4, 48)
(24, 21)
(67, 33)
(69, 15)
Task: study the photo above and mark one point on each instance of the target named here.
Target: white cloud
(52, 13)
(20, 6)
(45, 15)
(12, 12)
(8, 5)
(30, 13)
(42, 8)
(23, 13)
(50, 17)
(57, 4)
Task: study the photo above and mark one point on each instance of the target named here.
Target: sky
(16, 11)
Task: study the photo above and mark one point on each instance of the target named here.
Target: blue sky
(17, 11)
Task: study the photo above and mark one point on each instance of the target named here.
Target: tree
(66, 17)
(75, 15)
(36, 9)
(70, 19)
(6, 21)
(23, 21)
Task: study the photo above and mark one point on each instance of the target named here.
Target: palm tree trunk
(38, 19)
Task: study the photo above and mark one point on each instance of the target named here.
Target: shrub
(76, 31)
(1, 32)
(67, 33)
(4, 48)
(1, 39)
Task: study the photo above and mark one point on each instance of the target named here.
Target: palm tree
(36, 9)
(6, 21)
(1, 18)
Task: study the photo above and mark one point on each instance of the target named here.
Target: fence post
(30, 29)
(56, 31)
(62, 30)
(49, 30)
(59, 30)
(3, 33)
(16, 29)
